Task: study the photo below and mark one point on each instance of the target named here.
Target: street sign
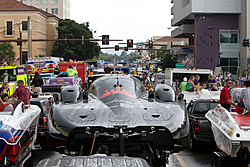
(140, 44)
(179, 65)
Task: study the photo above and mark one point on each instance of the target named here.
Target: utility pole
(29, 38)
(20, 36)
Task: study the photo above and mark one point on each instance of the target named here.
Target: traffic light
(139, 49)
(116, 47)
(126, 48)
(150, 43)
(105, 39)
(19, 43)
(245, 42)
(130, 43)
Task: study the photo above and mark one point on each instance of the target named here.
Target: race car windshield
(117, 88)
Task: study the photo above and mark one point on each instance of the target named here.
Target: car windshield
(109, 88)
(203, 108)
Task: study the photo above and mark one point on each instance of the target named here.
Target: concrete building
(218, 28)
(14, 22)
(60, 8)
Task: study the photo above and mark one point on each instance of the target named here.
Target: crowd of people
(193, 84)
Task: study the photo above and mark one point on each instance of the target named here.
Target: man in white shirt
(245, 95)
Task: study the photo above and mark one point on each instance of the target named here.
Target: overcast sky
(124, 19)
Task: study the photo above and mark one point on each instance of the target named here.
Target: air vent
(156, 116)
(83, 116)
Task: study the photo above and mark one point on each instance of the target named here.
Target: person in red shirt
(225, 98)
(22, 93)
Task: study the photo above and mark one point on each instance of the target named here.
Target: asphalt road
(185, 158)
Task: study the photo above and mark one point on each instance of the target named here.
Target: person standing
(5, 76)
(225, 98)
(37, 82)
(22, 92)
(71, 72)
(57, 70)
(245, 95)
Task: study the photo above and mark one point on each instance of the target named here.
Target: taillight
(197, 126)
(45, 120)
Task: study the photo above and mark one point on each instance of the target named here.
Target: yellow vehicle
(16, 73)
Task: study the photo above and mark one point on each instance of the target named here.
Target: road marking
(183, 164)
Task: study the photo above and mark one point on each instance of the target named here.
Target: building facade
(60, 8)
(219, 27)
(14, 23)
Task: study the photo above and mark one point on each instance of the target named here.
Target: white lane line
(181, 161)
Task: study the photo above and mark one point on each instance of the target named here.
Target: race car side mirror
(85, 97)
(180, 96)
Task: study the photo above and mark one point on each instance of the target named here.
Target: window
(228, 38)
(9, 28)
(211, 44)
(211, 60)
(203, 42)
(233, 61)
(207, 59)
(54, 11)
(210, 37)
(38, 2)
(224, 61)
(205, 35)
(54, 1)
(46, 2)
(46, 9)
(24, 25)
(207, 45)
(30, 2)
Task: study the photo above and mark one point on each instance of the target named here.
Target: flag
(5, 61)
(191, 61)
(185, 60)
(17, 61)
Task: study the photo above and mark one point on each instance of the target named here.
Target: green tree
(6, 51)
(168, 61)
(74, 49)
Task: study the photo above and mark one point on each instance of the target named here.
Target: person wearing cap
(22, 92)
(183, 84)
(102, 151)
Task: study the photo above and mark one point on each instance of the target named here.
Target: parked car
(200, 127)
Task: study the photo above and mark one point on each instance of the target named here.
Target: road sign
(179, 65)
(140, 44)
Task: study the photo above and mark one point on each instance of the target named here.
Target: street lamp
(30, 36)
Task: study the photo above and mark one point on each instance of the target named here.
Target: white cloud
(131, 19)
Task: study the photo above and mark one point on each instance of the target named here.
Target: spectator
(183, 84)
(22, 92)
(211, 88)
(225, 98)
(245, 96)
(191, 87)
(3, 94)
(212, 81)
(37, 82)
(107, 70)
(197, 78)
(92, 67)
(6, 86)
(5, 76)
(71, 72)
(57, 70)
(103, 150)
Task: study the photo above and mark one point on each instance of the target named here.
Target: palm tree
(6, 51)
